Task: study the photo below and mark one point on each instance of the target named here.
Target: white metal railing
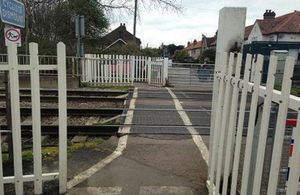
(71, 62)
(191, 74)
(13, 66)
(226, 138)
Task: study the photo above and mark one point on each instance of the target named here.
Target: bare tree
(131, 6)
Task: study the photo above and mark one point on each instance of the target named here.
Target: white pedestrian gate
(158, 71)
(37, 177)
(226, 138)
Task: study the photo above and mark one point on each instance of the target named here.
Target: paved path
(159, 155)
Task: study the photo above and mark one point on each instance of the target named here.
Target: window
(272, 38)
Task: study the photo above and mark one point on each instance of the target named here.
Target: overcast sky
(199, 17)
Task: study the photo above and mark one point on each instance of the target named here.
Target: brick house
(274, 33)
(283, 28)
(197, 47)
(118, 37)
(194, 49)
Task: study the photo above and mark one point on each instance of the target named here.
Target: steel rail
(70, 98)
(72, 129)
(108, 130)
(71, 111)
(74, 92)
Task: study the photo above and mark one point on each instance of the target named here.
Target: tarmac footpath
(159, 153)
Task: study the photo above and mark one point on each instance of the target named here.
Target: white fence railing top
(225, 110)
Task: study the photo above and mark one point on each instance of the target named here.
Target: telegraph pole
(134, 21)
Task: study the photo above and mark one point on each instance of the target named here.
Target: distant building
(196, 48)
(118, 37)
(275, 34)
(284, 28)
(209, 42)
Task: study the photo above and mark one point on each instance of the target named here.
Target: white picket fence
(114, 69)
(120, 69)
(226, 138)
(34, 67)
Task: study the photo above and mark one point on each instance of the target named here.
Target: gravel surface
(72, 120)
(49, 120)
(78, 120)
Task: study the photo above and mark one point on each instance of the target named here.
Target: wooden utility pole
(134, 21)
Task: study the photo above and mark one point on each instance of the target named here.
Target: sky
(155, 26)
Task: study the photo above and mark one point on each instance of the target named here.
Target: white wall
(289, 37)
(255, 35)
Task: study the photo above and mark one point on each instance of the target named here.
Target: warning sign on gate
(12, 35)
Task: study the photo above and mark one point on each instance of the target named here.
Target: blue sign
(12, 12)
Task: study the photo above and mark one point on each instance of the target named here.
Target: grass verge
(294, 91)
(50, 153)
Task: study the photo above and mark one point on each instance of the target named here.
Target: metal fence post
(36, 117)
(62, 101)
(165, 71)
(132, 69)
(149, 71)
(15, 111)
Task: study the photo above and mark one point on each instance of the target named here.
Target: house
(209, 42)
(275, 34)
(284, 28)
(198, 47)
(194, 49)
(118, 37)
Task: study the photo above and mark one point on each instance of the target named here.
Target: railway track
(70, 98)
(104, 112)
(89, 97)
(72, 129)
(73, 92)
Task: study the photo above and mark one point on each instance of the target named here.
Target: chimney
(269, 14)
(195, 41)
(188, 43)
(120, 24)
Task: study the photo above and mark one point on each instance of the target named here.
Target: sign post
(12, 13)
(80, 33)
(12, 35)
